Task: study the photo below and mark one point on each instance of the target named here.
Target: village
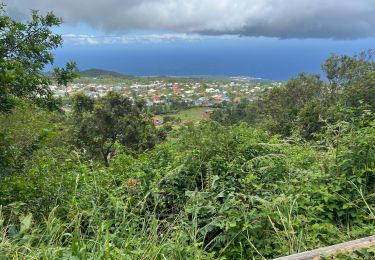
(155, 92)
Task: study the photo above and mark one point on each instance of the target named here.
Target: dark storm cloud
(341, 19)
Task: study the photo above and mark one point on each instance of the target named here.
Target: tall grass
(87, 235)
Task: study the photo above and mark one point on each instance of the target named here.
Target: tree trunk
(105, 159)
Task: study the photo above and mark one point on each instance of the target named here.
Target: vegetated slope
(99, 73)
(209, 192)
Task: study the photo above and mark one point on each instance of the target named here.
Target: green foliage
(25, 50)
(233, 113)
(113, 118)
(365, 254)
(283, 106)
(362, 90)
(65, 75)
(343, 69)
(25, 130)
(208, 192)
(29, 136)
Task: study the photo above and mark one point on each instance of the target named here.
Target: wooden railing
(332, 250)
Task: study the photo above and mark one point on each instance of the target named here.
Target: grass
(191, 114)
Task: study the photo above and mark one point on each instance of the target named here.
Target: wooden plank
(343, 247)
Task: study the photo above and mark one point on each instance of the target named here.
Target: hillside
(99, 73)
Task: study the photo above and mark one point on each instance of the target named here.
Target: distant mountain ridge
(99, 73)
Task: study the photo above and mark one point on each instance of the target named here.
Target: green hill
(99, 73)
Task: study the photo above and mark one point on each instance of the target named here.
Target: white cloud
(275, 18)
(82, 39)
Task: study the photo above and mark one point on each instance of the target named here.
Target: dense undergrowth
(208, 192)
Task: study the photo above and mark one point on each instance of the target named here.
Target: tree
(110, 119)
(232, 113)
(25, 50)
(342, 70)
(361, 90)
(281, 106)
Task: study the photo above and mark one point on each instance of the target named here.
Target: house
(225, 98)
(201, 101)
(59, 93)
(157, 120)
(216, 98)
(212, 90)
(117, 88)
(206, 114)
(156, 99)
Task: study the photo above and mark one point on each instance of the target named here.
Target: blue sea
(266, 58)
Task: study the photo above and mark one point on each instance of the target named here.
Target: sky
(272, 39)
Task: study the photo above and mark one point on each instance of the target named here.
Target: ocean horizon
(271, 59)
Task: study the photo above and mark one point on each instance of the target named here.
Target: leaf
(215, 178)
(26, 222)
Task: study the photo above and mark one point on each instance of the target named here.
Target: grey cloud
(340, 19)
